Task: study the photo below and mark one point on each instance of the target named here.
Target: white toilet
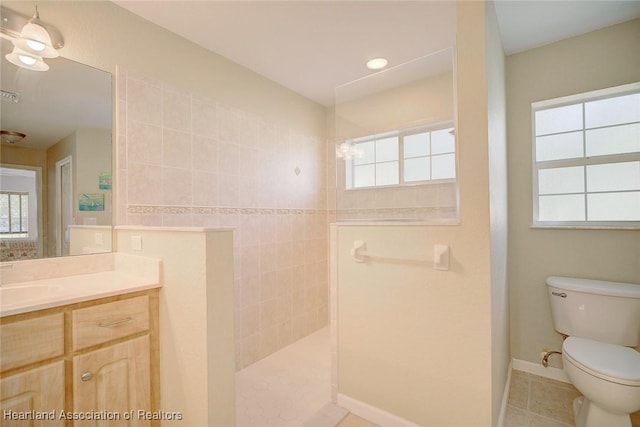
(601, 320)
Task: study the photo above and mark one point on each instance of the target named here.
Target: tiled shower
(186, 160)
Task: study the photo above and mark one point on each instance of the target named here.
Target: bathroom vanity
(76, 349)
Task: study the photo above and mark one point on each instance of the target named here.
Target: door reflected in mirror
(56, 180)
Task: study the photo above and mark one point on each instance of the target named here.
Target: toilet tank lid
(600, 287)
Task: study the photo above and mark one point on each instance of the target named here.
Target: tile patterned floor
(330, 415)
(355, 421)
(286, 388)
(540, 402)
(291, 388)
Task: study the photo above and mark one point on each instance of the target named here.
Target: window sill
(585, 227)
(404, 185)
(397, 222)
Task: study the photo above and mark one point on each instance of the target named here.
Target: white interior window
(411, 156)
(14, 214)
(586, 159)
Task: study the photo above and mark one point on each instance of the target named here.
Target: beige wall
(426, 101)
(93, 152)
(500, 354)
(604, 58)
(414, 341)
(23, 156)
(103, 35)
(90, 239)
(197, 372)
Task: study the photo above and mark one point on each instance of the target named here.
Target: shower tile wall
(435, 201)
(185, 160)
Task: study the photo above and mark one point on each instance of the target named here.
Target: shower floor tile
(286, 388)
(355, 421)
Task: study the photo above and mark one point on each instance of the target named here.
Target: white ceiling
(528, 24)
(311, 47)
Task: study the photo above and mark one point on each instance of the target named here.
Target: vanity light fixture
(377, 63)
(31, 43)
(35, 39)
(26, 60)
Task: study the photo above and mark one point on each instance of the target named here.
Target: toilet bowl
(609, 377)
(601, 323)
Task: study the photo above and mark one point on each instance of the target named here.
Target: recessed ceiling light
(377, 63)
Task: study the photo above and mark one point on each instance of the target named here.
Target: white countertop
(39, 294)
(127, 274)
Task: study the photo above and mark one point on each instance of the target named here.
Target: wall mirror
(55, 160)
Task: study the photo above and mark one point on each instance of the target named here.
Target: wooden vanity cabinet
(113, 379)
(97, 357)
(32, 369)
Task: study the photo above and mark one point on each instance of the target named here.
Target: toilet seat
(610, 362)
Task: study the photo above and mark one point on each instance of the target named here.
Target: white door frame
(39, 203)
(59, 227)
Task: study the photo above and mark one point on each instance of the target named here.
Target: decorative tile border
(419, 212)
(212, 210)
(430, 210)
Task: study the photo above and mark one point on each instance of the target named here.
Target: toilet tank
(595, 309)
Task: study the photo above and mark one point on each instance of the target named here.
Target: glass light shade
(36, 45)
(11, 137)
(35, 39)
(26, 60)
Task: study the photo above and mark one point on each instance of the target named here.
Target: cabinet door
(111, 382)
(33, 398)
(28, 341)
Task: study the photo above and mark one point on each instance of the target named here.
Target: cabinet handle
(86, 376)
(115, 323)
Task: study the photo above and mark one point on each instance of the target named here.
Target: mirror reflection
(396, 148)
(55, 160)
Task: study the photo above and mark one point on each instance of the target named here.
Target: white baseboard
(386, 419)
(505, 397)
(537, 369)
(373, 414)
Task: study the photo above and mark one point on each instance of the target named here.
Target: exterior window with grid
(586, 159)
(14, 214)
(416, 156)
